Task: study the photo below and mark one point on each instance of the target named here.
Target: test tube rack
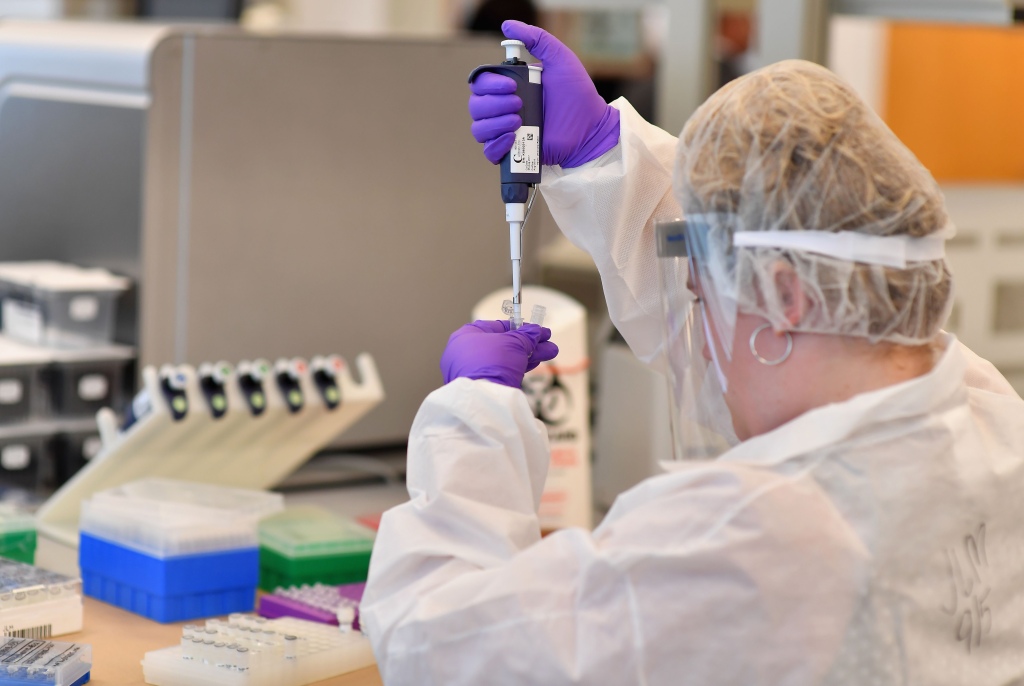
(25, 661)
(246, 426)
(337, 605)
(36, 603)
(246, 650)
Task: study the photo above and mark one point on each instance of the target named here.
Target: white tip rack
(252, 435)
(246, 650)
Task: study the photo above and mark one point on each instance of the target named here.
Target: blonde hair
(791, 147)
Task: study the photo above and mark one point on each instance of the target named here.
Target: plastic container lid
(313, 532)
(22, 584)
(169, 517)
(16, 353)
(61, 277)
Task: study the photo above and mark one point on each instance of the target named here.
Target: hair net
(792, 148)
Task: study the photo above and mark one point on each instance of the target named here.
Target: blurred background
(296, 177)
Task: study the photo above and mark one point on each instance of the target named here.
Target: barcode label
(41, 631)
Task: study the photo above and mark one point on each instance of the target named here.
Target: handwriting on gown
(969, 589)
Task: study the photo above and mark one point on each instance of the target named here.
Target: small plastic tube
(242, 658)
(537, 315)
(291, 647)
(346, 614)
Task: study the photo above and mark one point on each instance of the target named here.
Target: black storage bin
(72, 450)
(23, 393)
(83, 382)
(26, 456)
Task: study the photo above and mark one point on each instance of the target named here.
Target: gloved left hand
(488, 350)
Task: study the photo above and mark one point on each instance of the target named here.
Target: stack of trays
(309, 545)
(173, 550)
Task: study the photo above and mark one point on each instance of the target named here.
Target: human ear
(791, 292)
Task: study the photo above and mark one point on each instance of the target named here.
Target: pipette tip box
(37, 603)
(169, 589)
(309, 545)
(44, 663)
(246, 650)
(17, 533)
(173, 550)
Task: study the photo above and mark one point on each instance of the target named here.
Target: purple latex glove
(579, 125)
(488, 350)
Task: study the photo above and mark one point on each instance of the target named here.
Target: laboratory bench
(119, 639)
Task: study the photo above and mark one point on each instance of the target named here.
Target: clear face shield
(701, 423)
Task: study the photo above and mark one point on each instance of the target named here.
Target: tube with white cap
(521, 167)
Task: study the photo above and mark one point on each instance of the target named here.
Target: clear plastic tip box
(40, 663)
(252, 651)
(173, 550)
(59, 305)
(309, 545)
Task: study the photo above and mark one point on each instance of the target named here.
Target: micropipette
(521, 167)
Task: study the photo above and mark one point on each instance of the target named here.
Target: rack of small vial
(58, 367)
(36, 662)
(37, 603)
(336, 605)
(245, 650)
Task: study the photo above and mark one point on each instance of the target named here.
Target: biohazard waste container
(559, 393)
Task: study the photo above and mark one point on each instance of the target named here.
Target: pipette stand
(240, 448)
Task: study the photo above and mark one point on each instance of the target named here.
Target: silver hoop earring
(757, 356)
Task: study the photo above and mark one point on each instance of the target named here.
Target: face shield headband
(714, 242)
(697, 263)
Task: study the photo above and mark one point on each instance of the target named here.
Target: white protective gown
(874, 541)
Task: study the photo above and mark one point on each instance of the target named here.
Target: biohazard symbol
(548, 397)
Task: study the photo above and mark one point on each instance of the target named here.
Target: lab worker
(782, 263)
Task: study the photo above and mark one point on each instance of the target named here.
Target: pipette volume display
(521, 166)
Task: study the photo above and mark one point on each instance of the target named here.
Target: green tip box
(308, 545)
(17, 534)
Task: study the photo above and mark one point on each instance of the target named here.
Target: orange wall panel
(955, 96)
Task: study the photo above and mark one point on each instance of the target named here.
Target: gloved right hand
(579, 125)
